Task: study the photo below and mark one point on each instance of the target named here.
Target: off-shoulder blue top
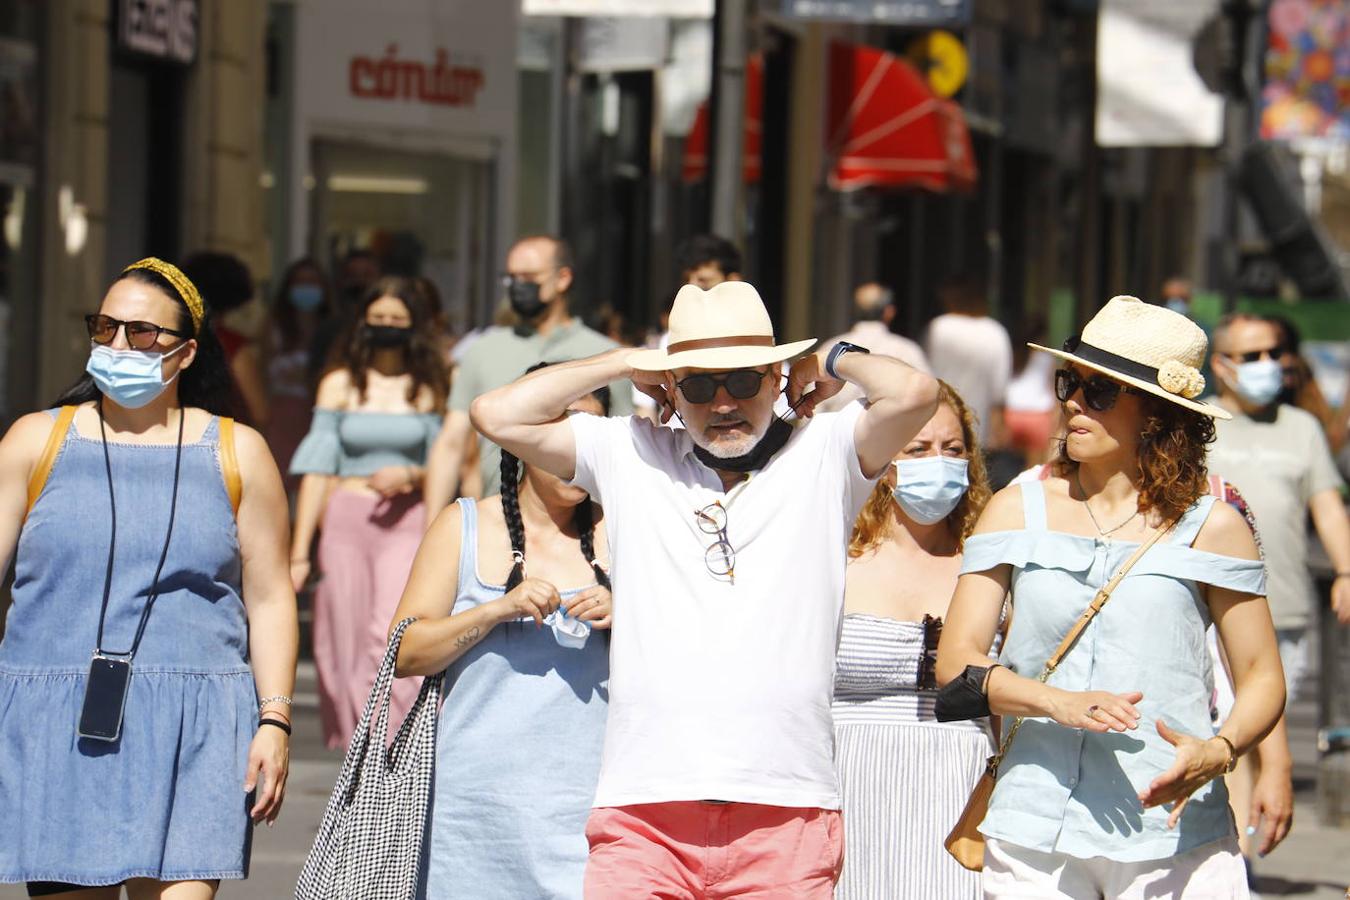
(1075, 792)
(356, 444)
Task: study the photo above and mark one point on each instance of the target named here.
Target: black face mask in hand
(386, 336)
(525, 301)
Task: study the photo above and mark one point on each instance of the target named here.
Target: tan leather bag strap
(229, 463)
(38, 480)
(1076, 631)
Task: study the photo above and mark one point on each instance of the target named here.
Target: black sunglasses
(1100, 392)
(1254, 355)
(741, 384)
(140, 335)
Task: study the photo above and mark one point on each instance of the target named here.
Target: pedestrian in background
(1030, 411)
(729, 541)
(227, 287)
(301, 302)
(363, 463)
(972, 352)
(904, 556)
(1300, 387)
(874, 310)
(527, 681)
(537, 281)
(150, 532)
(1111, 786)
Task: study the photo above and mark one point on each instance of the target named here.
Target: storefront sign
(445, 68)
(160, 29)
(888, 12)
(392, 78)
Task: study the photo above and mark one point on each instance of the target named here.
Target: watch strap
(837, 351)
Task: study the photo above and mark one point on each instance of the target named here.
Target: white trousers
(1212, 872)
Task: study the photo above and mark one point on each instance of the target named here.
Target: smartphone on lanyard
(105, 696)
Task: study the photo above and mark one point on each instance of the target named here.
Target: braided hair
(583, 518)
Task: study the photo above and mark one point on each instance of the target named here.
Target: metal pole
(728, 118)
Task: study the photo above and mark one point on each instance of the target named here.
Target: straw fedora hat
(1149, 347)
(723, 328)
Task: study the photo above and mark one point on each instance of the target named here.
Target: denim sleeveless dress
(166, 800)
(517, 754)
(1075, 792)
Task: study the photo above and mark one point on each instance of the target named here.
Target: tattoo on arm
(468, 638)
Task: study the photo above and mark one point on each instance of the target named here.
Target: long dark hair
(205, 384)
(423, 356)
(285, 316)
(583, 518)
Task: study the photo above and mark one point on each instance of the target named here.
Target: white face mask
(929, 489)
(1260, 381)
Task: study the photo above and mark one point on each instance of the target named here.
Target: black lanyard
(112, 542)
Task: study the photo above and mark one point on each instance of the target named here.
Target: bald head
(873, 302)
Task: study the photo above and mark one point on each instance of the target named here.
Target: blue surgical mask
(567, 631)
(130, 378)
(1260, 382)
(1178, 305)
(305, 297)
(928, 489)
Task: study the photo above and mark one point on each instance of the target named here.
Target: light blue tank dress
(1075, 792)
(166, 801)
(517, 754)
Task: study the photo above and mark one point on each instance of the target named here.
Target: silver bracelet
(279, 698)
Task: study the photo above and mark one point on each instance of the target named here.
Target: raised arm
(527, 416)
(439, 637)
(900, 400)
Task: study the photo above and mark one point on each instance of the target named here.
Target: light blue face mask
(129, 378)
(1260, 382)
(928, 489)
(306, 297)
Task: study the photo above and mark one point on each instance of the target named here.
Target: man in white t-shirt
(728, 543)
(973, 353)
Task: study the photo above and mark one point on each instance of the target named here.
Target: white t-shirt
(974, 355)
(722, 691)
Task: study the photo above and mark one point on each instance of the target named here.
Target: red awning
(695, 167)
(886, 128)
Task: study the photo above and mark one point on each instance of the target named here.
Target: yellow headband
(181, 283)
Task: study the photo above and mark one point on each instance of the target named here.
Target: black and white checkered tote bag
(369, 844)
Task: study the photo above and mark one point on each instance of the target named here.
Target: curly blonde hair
(875, 521)
(1173, 442)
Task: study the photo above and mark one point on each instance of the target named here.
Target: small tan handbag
(965, 842)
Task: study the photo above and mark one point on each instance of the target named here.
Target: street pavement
(1312, 864)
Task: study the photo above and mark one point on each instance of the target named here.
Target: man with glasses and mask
(537, 278)
(728, 542)
(1278, 457)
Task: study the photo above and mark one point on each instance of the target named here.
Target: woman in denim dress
(196, 519)
(1113, 787)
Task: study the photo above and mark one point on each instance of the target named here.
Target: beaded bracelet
(279, 698)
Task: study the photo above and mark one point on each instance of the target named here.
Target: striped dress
(904, 777)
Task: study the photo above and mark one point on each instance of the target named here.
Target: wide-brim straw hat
(726, 327)
(1146, 346)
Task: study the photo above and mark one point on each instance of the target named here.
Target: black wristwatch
(837, 351)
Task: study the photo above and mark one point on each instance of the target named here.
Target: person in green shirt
(537, 280)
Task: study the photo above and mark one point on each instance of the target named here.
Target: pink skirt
(366, 552)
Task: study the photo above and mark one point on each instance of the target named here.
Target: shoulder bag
(369, 845)
(965, 842)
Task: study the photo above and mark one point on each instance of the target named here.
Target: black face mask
(524, 297)
(385, 336)
(774, 438)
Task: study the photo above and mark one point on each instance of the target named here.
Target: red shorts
(691, 850)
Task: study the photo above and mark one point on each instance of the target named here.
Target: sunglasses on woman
(140, 335)
(741, 384)
(1099, 392)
